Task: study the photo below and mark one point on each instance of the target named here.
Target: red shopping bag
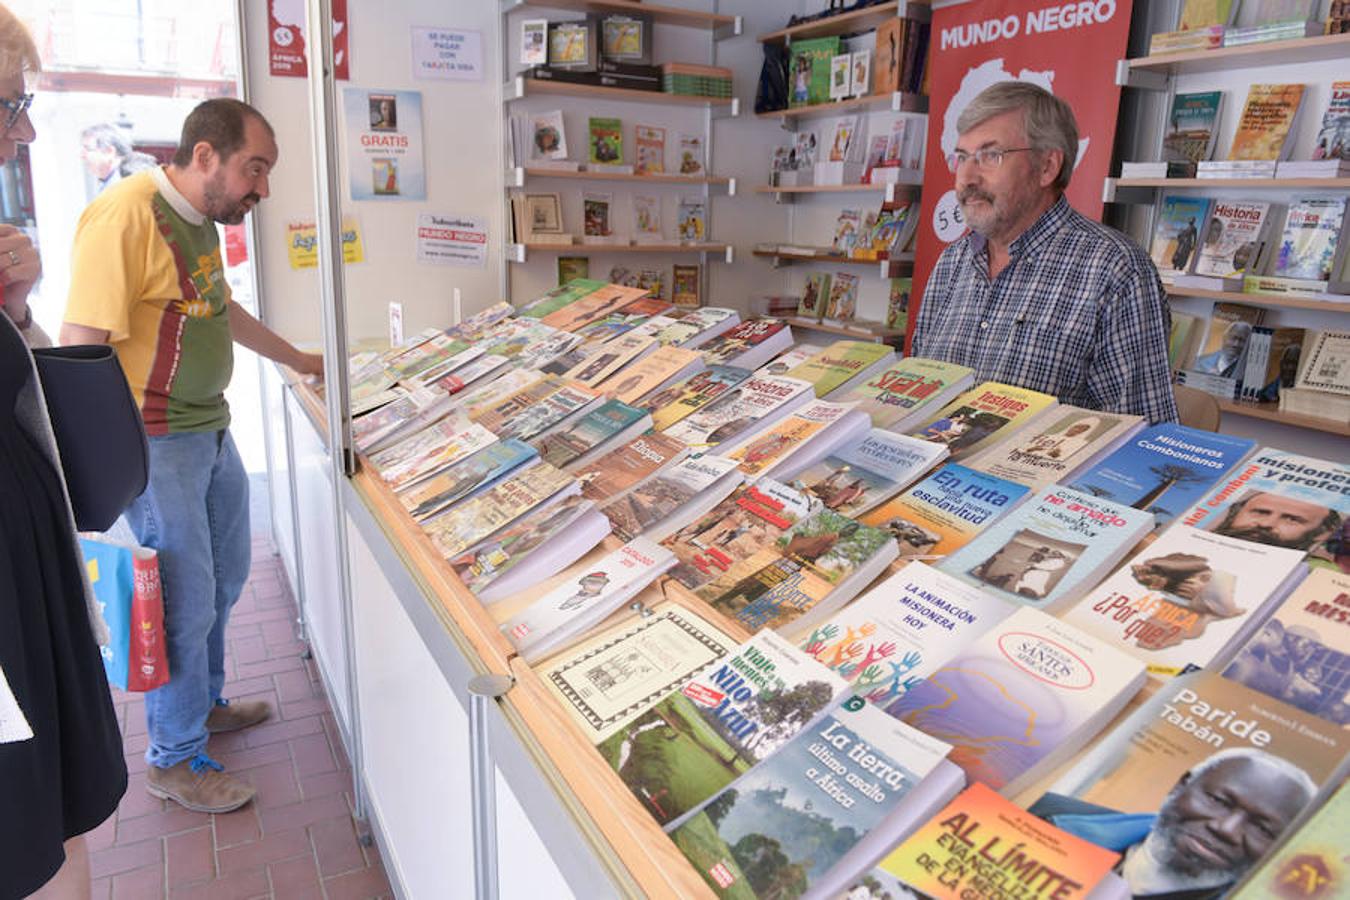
(126, 585)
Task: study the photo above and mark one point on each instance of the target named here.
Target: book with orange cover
(1267, 118)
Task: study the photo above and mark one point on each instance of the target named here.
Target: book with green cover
(559, 297)
(809, 73)
(605, 141)
(841, 363)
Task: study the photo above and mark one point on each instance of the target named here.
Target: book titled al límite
(983, 416)
(981, 839)
(1204, 750)
(730, 717)
(825, 806)
(1021, 699)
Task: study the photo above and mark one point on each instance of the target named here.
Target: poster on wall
(286, 45)
(1070, 51)
(302, 243)
(450, 240)
(384, 144)
(450, 54)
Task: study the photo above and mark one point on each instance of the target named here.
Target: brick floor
(297, 840)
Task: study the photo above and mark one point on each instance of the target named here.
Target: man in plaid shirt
(1038, 295)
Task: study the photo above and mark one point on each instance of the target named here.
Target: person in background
(108, 155)
(1038, 295)
(61, 767)
(147, 277)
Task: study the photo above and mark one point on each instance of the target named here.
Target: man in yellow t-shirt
(147, 278)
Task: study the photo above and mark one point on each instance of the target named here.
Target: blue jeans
(195, 514)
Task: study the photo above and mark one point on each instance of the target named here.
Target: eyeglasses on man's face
(14, 108)
(985, 158)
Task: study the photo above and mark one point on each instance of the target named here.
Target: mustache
(974, 193)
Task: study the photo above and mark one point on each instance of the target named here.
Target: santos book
(1190, 598)
(1022, 698)
(1050, 550)
(735, 714)
(821, 808)
(1203, 751)
(902, 630)
(944, 511)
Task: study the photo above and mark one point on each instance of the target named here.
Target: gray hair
(107, 136)
(1048, 120)
(1283, 766)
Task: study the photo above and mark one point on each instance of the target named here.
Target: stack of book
(692, 80)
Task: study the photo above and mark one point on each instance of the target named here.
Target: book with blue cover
(1165, 469)
(467, 478)
(944, 511)
(1176, 234)
(613, 422)
(1051, 549)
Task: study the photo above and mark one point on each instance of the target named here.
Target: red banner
(1070, 49)
(286, 53)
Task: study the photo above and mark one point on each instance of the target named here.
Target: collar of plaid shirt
(1078, 313)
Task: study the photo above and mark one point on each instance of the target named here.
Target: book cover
(1165, 469)
(1227, 335)
(781, 364)
(1333, 139)
(1061, 443)
(1267, 117)
(779, 829)
(647, 219)
(694, 327)
(1285, 500)
(650, 147)
(658, 497)
(596, 214)
(425, 355)
(1197, 14)
(477, 519)
(617, 471)
(725, 347)
(981, 839)
(640, 378)
(744, 407)
(678, 401)
(562, 295)
(782, 439)
(614, 676)
(1283, 350)
(843, 302)
(1326, 366)
(1176, 233)
(573, 267)
(737, 528)
(472, 474)
(1234, 238)
(897, 303)
(889, 38)
(902, 630)
(1308, 244)
(1301, 655)
(484, 563)
(563, 405)
(810, 74)
(846, 232)
(905, 388)
(945, 511)
(605, 140)
(1051, 549)
(815, 294)
(778, 585)
(1187, 599)
(685, 279)
(548, 137)
(863, 473)
(732, 716)
(609, 358)
(430, 450)
(839, 363)
(501, 414)
(565, 446)
(596, 305)
(1202, 752)
(691, 155)
(1312, 864)
(1191, 127)
(983, 416)
(691, 220)
(588, 598)
(1022, 694)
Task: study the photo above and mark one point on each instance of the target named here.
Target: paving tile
(244, 686)
(336, 846)
(100, 889)
(236, 761)
(290, 876)
(269, 667)
(336, 782)
(134, 721)
(238, 827)
(271, 847)
(237, 886)
(115, 860)
(299, 709)
(103, 836)
(248, 650)
(137, 801)
(136, 764)
(172, 820)
(139, 884)
(277, 632)
(276, 782)
(363, 884)
(265, 615)
(294, 685)
(272, 731)
(191, 855)
(306, 812)
(312, 756)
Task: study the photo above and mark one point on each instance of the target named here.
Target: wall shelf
(666, 15)
(888, 268)
(522, 87)
(874, 331)
(898, 101)
(1272, 413)
(517, 177)
(889, 190)
(857, 20)
(1279, 301)
(1302, 184)
(1326, 47)
(519, 253)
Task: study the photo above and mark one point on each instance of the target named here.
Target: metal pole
(341, 461)
(484, 690)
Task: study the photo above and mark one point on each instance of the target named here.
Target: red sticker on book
(702, 694)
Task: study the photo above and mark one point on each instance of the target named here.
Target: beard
(222, 208)
(1164, 845)
(995, 216)
(1263, 535)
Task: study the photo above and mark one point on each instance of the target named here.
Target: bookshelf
(521, 87)
(723, 26)
(1271, 413)
(1141, 190)
(864, 19)
(862, 330)
(1321, 48)
(909, 184)
(890, 268)
(517, 177)
(520, 253)
(1274, 301)
(898, 101)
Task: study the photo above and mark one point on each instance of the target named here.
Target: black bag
(98, 429)
(772, 93)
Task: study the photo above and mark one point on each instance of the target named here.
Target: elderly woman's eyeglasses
(15, 108)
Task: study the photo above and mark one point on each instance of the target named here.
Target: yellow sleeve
(107, 268)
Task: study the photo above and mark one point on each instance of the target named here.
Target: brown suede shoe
(228, 716)
(200, 784)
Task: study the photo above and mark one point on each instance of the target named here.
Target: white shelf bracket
(731, 187)
(722, 32)
(731, 254)
(1127, 76)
